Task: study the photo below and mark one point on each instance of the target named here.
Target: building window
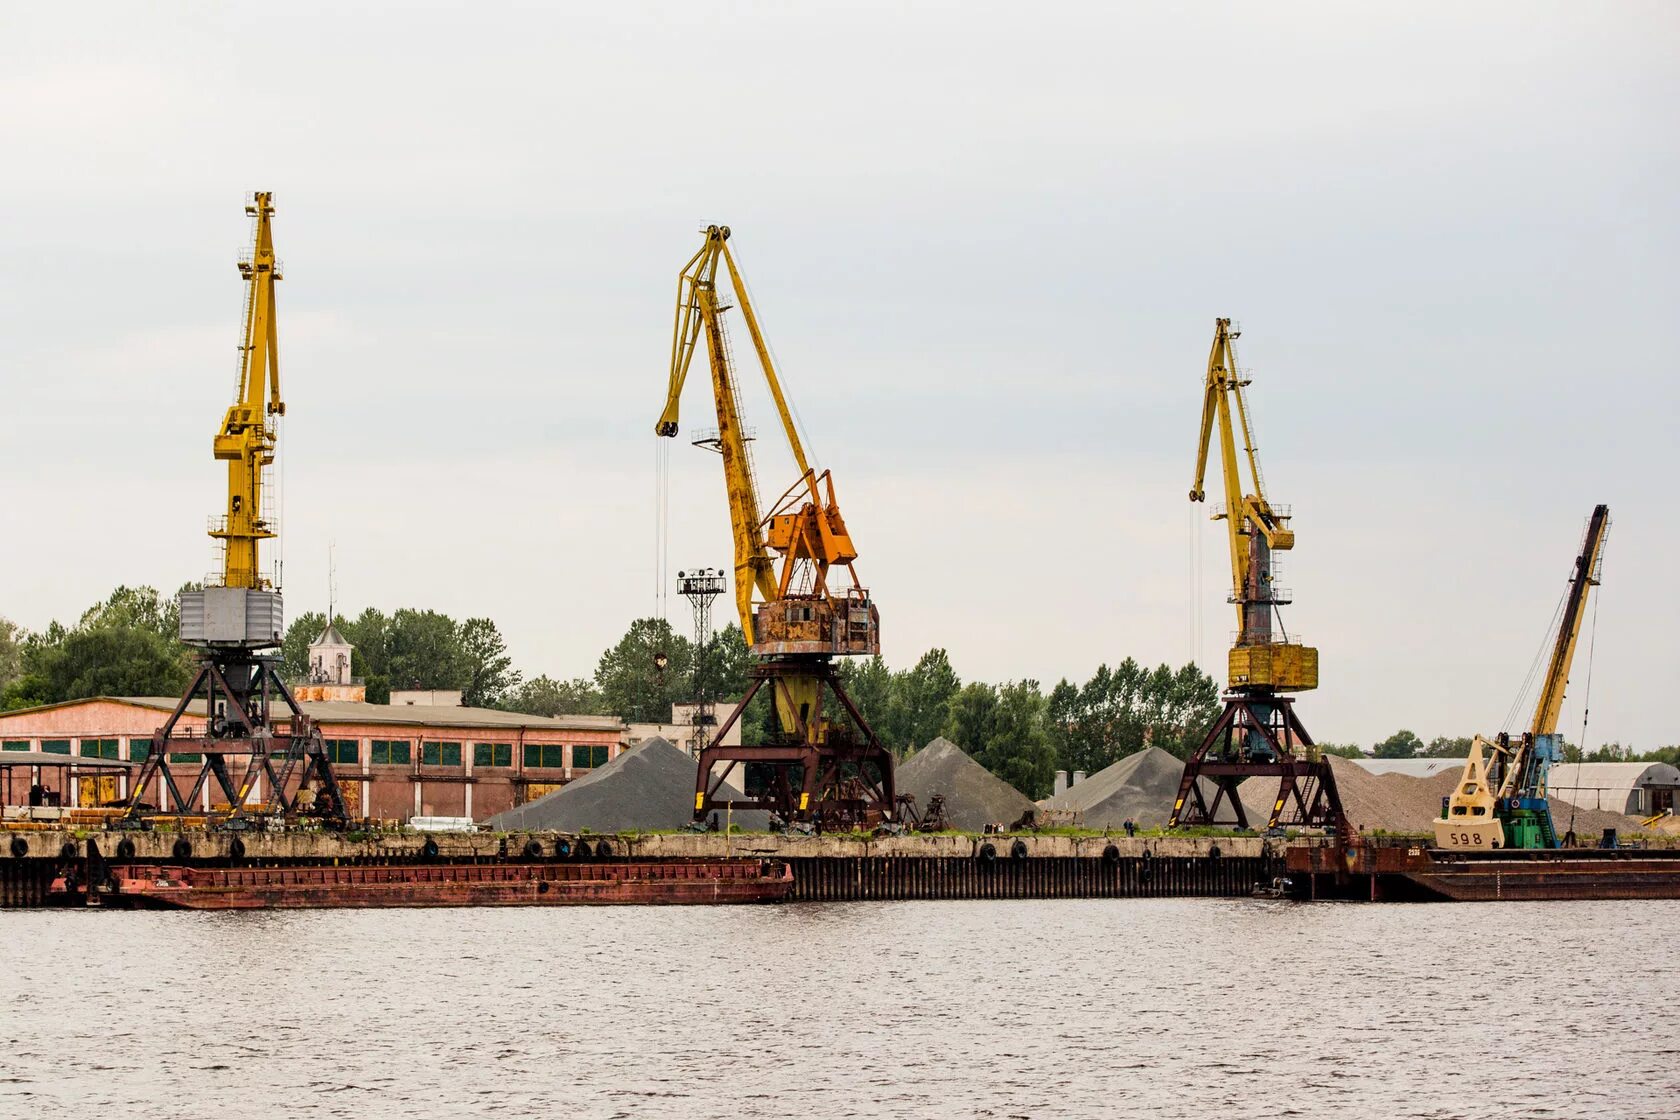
(15, 745)
(97, 748)
(393, 752)
(139, 750)
(186, 756)
(585, 758)
(55, 746)
(551, 755)
(440, 754)
(343, 752)
(492, 754)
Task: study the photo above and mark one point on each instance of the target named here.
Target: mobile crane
(1258, 734)
(236, 620)
(822, 770)
(1501, 798)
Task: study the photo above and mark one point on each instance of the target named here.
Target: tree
(545, 696)
(425, 651)
(138, 607)
(1443, 747)
(1345, 750)
(111, 661)
(633, 685)
(724, 672)
(972, 716)
(491, 673)
(11, 652)
(870, 685)
(921, 701)
(294, 647)
(1401, 744)
(1017, 746)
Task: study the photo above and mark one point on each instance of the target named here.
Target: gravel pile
(648, 787)
(1400, 803)
(974, 796)
(1140, 787)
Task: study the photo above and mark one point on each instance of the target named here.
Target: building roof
(1411, 767)
(330, 637)
(1611, 777)
(48, 758)
(409, 715)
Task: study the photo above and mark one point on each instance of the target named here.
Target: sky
(988, 243)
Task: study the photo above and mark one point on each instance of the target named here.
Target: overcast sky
(988, 243)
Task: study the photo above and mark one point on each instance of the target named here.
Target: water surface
(1161, 1008)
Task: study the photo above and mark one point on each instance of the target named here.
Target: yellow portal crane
(1256, 530)
(247, 437)
(237, 619)
(800, 620)
(1258, 734)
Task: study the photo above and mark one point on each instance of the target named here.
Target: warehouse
(394, 761)
(1639, 789)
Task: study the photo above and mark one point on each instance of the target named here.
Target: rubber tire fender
(20, 847)
(236, 848)
(533, 849)
(1111, 854)
(429, 850)
(1214, 852)
(125, 848)
(182, 849)
(562, 848)
(603, 850)
(1018, 850)
(987, 853)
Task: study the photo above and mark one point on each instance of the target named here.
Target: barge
(619, 883)
(1416, 873)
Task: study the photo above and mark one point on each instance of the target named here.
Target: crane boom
(1588, 567)
(1255, 529)
(246, 439)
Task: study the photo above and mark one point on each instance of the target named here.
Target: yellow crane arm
(699, 315)
(1588, 569)
(246, 440)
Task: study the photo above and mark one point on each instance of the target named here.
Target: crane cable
(661, 525)
(1540, 655)
(1586, 693)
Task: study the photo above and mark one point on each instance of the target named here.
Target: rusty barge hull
(1425, 874)
(630, 883)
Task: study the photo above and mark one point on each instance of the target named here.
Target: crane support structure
(797, 592)
(251, 721)
(1258, 734)
(1501, 799)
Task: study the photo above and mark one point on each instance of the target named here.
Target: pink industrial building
(394, 760)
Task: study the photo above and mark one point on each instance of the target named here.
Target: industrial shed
(1639, 789)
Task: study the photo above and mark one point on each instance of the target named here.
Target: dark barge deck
(1416, 873)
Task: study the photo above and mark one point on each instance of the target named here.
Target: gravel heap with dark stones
(1140, 787)
(974, 796)
(648, 787)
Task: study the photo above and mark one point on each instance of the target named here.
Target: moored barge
(1401, 872)
(619, 883)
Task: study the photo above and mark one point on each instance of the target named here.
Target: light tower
(700, 586)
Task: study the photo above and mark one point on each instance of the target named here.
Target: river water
(1159, 1008)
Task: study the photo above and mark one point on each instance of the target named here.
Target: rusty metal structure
(236, 618)
(822, 766)
(1258, 735)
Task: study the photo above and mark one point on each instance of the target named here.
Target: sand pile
(1140, 787)
(974, 796)
(648, 787)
